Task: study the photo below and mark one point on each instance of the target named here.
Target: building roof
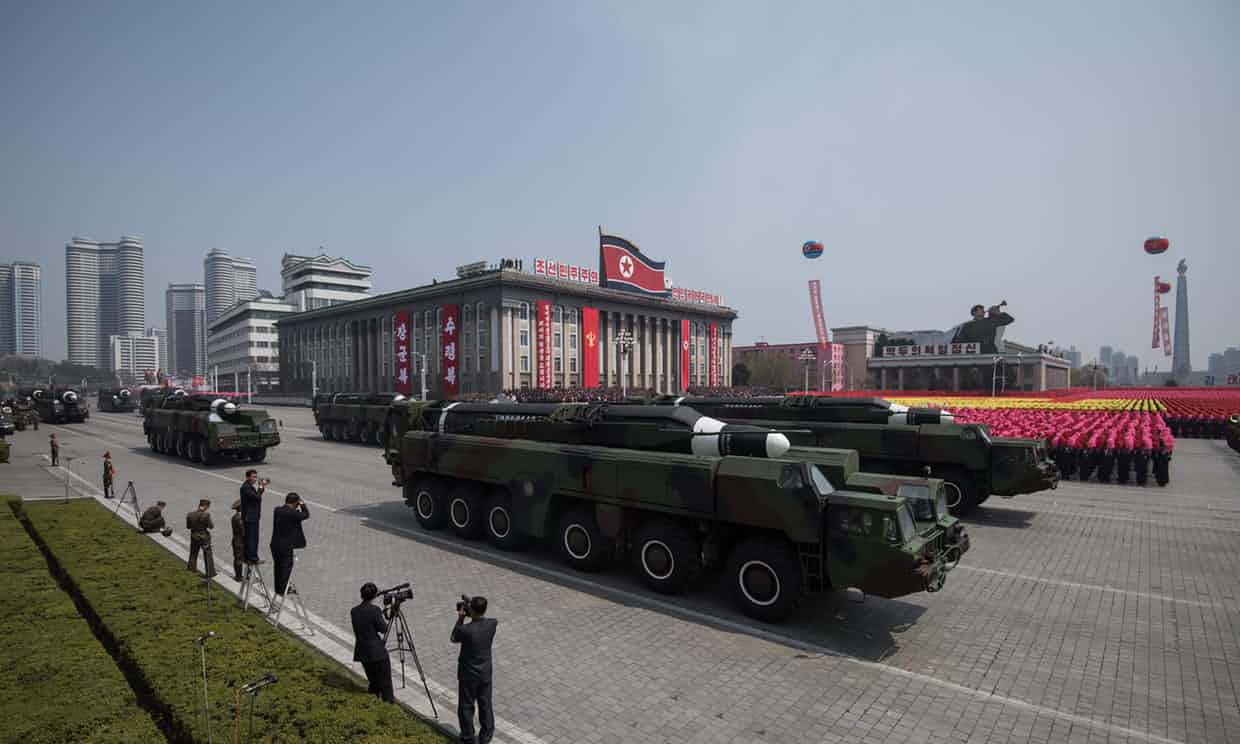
(507, 278)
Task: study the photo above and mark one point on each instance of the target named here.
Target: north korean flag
(623, 266)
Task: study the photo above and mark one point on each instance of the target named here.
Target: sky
(945, 154)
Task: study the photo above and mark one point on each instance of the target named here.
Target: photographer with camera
(251, 512)
(287, 535)
(473, 668)
(370, 629)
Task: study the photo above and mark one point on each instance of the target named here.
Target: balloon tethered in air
(1156, 245)
(811, 249)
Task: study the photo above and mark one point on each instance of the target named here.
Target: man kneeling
(152, 520)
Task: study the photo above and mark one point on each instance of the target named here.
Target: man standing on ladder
(251, 511)
(286, 536)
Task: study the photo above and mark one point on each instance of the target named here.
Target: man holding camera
(370, 630)
(287, 535)
(473, 669)
(251, 512)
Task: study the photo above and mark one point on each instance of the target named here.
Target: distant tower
(1181, 362)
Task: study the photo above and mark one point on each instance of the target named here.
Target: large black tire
(665, 556)
(151, 439)
(258, 455)
(501, 531)
(581, 543)
(962, 492)
(428, 502)
(325, 431)
(209, 458)
(765, 578)
(182, 446)
(466, 514)
(193, 449)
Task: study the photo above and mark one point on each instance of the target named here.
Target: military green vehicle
(149, 394)
(4, 450)
(694, 494)
(208, 429)
(60, 405)
(892, 438)
(113, 400)
(353, 417)
(23, 413)
(7, 427)
(1233, 431)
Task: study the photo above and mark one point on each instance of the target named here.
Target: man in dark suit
(473, 670)
(370, 630)
(286, 536)
(251, 512)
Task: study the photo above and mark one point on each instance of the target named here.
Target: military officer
(55, 445)
(109, 472)
(199, 524)
(238, 540)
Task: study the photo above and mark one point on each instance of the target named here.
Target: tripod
(299, 609)
(206, 705)
(404, 636)
(129, 496)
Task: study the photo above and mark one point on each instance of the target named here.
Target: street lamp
(624, 342)
(423, 355)
(806, 357)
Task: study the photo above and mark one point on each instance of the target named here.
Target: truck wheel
(181, 449)
(962, 496)
(207, 457)
(325, 431)
(428, 503)
(666, 556)
(191, 450)
(360, 435)
(150, 439)
(500, 529)
(580, 542)
(765, 576)
(465, 510)
(258, 455)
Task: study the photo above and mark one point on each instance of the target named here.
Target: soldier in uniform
(199, 524)
(152, 519)
(109, 472)
(238, 539)
(55, 445)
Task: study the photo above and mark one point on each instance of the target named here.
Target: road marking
(1094, 587)
(1171, 522)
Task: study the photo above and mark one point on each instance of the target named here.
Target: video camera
(398, 593)
(463, 605)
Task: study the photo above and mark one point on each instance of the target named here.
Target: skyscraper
(105, 295)
(1181, 361)
(187, 330)
(21, 309)
(161, 343)
(227, 280)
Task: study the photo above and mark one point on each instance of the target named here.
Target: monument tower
(1181, 362)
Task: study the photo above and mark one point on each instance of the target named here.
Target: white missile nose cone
(777, 445)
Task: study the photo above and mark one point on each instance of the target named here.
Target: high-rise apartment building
(21, 308)
(312, 282)
(228, 280)
(244, 345)
(135, 354)
(105, 295)
(161, 341)
(187, 330)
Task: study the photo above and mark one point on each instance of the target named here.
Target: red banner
(1154, 344)
(447, 342)
(1164, 321)
(400, 339)
(589, 347)
(837, 367)
(684, 355)
(542, 311)
(714, 354)
(820, 326)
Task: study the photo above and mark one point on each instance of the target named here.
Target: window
(525, 363)
(525, 338)
(572, 341)
(572, 316)
(467, 313)
(525, 311)
(557, 314)
(572, 364)
(559, 365)
(556, 338)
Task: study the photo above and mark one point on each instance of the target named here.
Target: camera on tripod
(398, 593)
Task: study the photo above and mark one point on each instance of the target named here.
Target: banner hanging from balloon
(820, 325)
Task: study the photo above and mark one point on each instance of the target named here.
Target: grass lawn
(154, 609)
(57, 683)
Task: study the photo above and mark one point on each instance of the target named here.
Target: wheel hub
(658, 560)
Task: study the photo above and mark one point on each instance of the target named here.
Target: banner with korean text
(542, 311)
(714, 354)
(589, 347)
(448, 326)
(684, 354)
(820, 325)
(400, 342)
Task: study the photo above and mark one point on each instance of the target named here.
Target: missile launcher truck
(116, 401)
(353, 417)
(892, 438)
(674, 491)
(23, 413)
(1233, 431)
(60, 405)
(207, 429)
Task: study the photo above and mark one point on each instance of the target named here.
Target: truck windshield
(919, 499)
(821, 484)
(908, 529)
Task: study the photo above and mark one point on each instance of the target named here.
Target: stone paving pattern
(1093, 613)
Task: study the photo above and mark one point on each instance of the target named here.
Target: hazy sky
(945, 153)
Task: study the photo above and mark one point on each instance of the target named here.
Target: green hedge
(154, 609)
(57, 683)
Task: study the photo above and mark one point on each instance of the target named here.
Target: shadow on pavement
(828, 624)
(1004, 517)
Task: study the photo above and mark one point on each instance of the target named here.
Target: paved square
(1090, 613)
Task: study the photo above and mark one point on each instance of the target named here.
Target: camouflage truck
(7, 427)
(1233, 431)
(60, 405)
(699, 495)
(892, 438)
(113, 400)
(22, 413)
(148, 395)
(353, 417)
(208, 429)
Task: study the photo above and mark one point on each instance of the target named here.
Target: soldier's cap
(236, 504)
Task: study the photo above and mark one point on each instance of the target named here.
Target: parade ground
(1090, 613)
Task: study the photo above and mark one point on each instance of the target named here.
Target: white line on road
(1170, 522)
(1094, 587)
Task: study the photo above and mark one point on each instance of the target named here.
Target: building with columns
(497, 341)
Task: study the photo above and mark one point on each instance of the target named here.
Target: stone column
(900, 378)
(955, 379)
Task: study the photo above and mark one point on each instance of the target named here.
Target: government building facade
(501, 327)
